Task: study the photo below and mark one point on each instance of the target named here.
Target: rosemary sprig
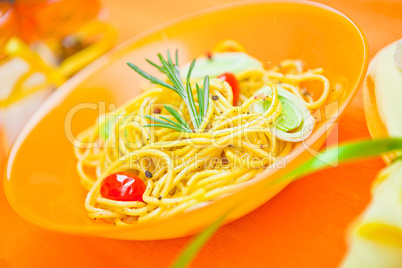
(185, 91)
(182, 126)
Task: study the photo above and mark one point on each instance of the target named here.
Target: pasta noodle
(183, 170)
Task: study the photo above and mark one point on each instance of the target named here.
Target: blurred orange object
(42, 44)
(8, 24)
(42, 19)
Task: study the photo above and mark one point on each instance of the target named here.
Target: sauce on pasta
(187, 164)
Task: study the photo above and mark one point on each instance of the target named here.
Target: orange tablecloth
(303, 226)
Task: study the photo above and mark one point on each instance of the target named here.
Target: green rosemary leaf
(189, 71)
(173, 76)
(200, 101)
(193, 113)
(170, 126)
(169, 59)
(177, 57)
(156, 119)
(161, 69)
(183, 90)
(151, 78)
(206, 96)
(171, 121)
(176, 115)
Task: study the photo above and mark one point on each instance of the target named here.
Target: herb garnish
(184, 90)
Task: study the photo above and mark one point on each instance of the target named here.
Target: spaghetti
(187, 164)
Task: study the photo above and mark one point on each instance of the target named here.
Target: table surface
(303, 226)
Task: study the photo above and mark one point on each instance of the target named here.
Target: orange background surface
(303, 226)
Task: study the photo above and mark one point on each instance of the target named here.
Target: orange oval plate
(41, 183)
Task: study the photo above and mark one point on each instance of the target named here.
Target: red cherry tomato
(232, 81)
(123, 186)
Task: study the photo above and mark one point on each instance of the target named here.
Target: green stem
(344, 153)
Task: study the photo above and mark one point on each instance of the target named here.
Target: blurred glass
(42, 44)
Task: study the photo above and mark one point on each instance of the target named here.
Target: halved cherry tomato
(123, 186)
(234, 84)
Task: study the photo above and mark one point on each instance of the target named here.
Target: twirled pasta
(231, 146)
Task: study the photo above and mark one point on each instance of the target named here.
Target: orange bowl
(41, 182)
